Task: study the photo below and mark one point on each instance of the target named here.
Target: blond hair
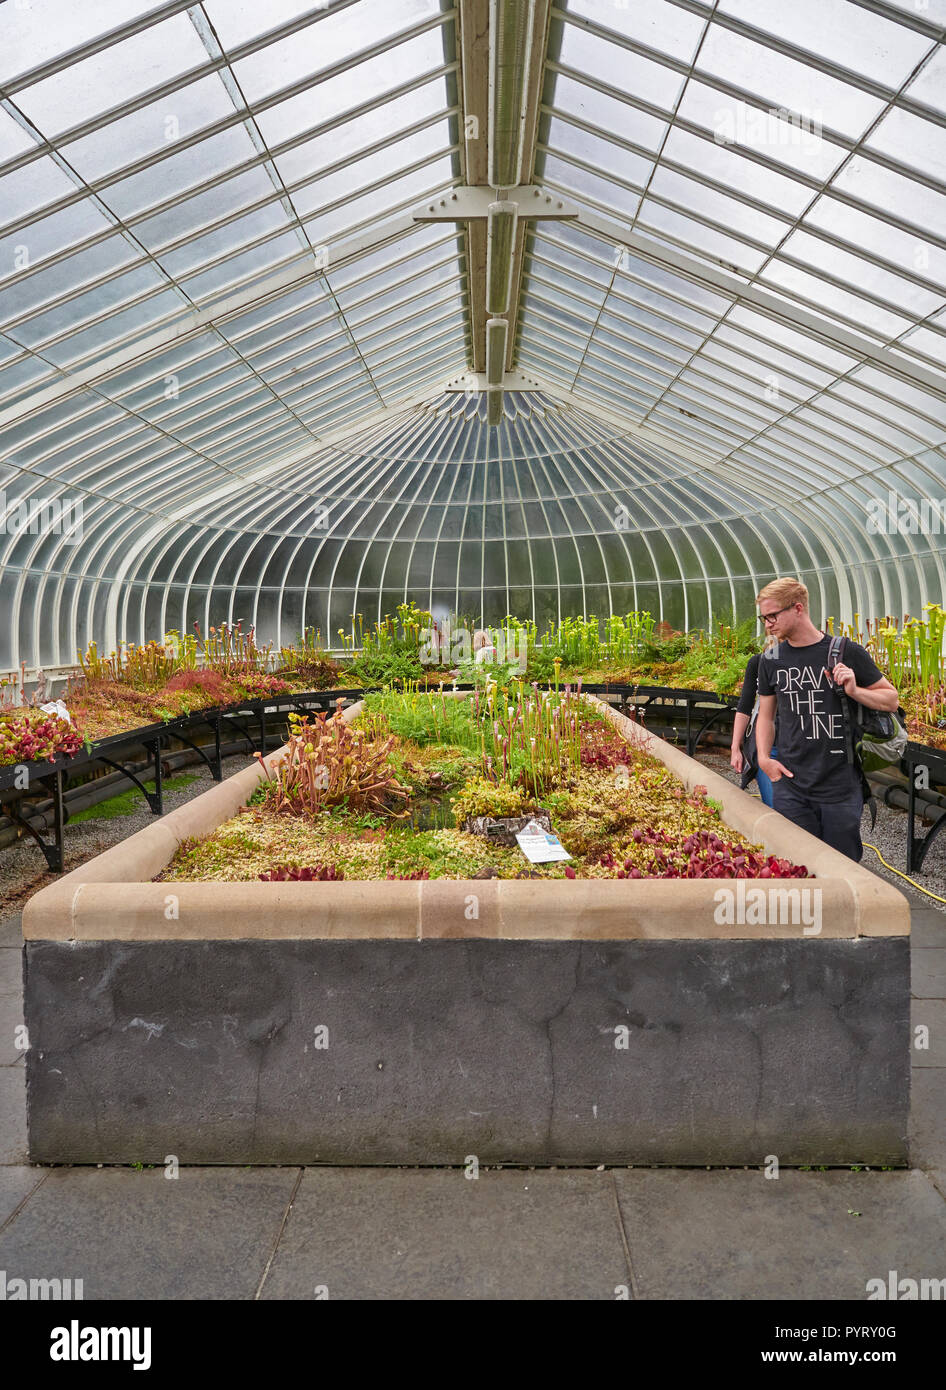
(785, 592)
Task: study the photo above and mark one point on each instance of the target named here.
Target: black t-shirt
(811, 740)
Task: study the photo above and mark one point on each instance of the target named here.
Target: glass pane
(188, 170)
(863, 275)
(852, 37)
(115, 75)
(912, 141)
(334, 38)
(584, 186)
(620, 69)
(32, 187)
(33, 35)
(578, 99)
(765, 131)
(348, 139)
(902, 248)
(14, 139)
(784, 82)
(154, 130)
(651, 22)
(360, 173)
(716, 207)
(609, 159)
(929, 86)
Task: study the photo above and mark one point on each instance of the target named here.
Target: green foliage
(502, 674)
(541, 665)
(721, 673)
(480, 797)
(422, 717)
(314, 671)
(390, 652)
(665, 649)
(588, 642)
(127, 803)
(385, 668)
(915, 654)
(440, 852)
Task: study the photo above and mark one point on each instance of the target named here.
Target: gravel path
(23, 869)
(890, 837)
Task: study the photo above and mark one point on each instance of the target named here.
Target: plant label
(538, 846)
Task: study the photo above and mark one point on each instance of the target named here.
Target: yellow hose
(912, 881)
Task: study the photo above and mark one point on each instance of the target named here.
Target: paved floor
(291, 1233)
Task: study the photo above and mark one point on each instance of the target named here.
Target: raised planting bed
(702, 1020)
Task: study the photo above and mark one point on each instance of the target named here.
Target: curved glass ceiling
(225, 340)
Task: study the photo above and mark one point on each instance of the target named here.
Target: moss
(127, 803)
(479, 797)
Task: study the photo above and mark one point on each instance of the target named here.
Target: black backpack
(874, 739)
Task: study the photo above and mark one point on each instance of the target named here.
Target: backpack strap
(835, 649)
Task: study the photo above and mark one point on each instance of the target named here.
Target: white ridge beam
(470, 204)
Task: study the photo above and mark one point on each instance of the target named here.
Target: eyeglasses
(770, 617)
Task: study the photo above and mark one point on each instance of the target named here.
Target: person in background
(483, 649)
(746, 712)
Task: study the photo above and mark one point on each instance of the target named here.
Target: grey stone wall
(379, 1052)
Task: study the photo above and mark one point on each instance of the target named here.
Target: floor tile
(13, 1115)
(11, 933)
(15, 1183)
(422, 1233)
(928, 1117)
(740, 1235)
(929, 1048)
(927, 928)
(128, 1234)
(928, 973)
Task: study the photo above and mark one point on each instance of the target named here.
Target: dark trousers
(838, 823)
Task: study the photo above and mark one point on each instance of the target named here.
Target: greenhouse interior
(472, 655)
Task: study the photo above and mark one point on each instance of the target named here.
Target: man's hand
(735, 759)
(773, 769)
(843, 675)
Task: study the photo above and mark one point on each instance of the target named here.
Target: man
(813, 782)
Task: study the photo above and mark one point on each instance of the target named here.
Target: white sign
(538, 846)
(58, 708)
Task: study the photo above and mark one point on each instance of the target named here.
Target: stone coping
(112, 897)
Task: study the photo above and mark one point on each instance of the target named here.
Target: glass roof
(215, 304)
